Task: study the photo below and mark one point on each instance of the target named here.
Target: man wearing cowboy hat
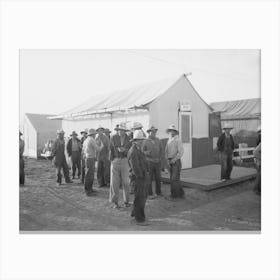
(84, 134)
(107, 132)
(74, 149)
(173, 152)
(225, 146)
(119, 146)
(103, 162)
(138, 173)
(153, 151)
(90, 148)
(137, 126)
(59, 158)
(21, 160)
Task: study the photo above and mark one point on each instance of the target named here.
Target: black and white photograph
(138, 140)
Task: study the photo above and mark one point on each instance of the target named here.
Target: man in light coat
(173, 152)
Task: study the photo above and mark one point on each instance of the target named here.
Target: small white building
(37, 130)
(170, 101)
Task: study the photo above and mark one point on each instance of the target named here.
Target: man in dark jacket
(103, 162)
(225, 147)
(84, 134)
(21, 160)
(153, 151)
(138, 173)
(74, 149)
(59, 158)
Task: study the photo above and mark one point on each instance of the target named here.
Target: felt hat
(172, 127)
(84, 131)
(107, 130)
(73, 133)
(92, 131)
(227, 126)
(152, 128)
(138, 135)
(137, 125)
(121, 126)
(60, 131)
(100, 128)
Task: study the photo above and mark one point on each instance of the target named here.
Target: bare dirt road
(47, 207)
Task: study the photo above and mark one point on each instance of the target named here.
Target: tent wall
(243, 124)
(164, 110)
(30, 139)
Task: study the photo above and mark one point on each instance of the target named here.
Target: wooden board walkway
(207, 177)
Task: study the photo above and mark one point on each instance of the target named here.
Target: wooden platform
(208, 177)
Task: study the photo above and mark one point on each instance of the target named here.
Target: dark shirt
(225, 144)
(104, 153)
(153, 150)
(58, 150)
(69, 146)
(137, 162)
(115, 145)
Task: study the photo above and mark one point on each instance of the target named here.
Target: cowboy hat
(73, 133)
(92, 131)
(107, 130)
(152, 128)
(172, 127)
(121, 126)
(138, 135)
(137, 125)
(60, 131)
(84, 131)
(100, 128)
(227, 126)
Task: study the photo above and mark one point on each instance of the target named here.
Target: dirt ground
(47, 207)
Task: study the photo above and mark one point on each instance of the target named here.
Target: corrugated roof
(40, 122)
(238, 109)
(136, 97)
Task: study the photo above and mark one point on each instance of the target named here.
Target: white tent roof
(136, 97)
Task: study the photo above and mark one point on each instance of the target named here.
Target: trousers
(62, 164)
(83, 164)
(76, 163)
(119, 177)
(89, 174)
(226, 165)
(139, 199)
(154, 173)
(103, 172)
(21, 171)
(258, 181)
(175, 172)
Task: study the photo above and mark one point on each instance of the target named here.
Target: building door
(185, 130)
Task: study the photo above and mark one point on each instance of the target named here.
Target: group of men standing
(130, 160)
(127, 159)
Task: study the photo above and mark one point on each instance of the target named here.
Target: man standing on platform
(74, 149)
(119, 146)
(103, 162)
(90, 148)
(59, 158)
(153, 151)
(84, 134)
(21, 160)
(173, 152)
(225, 147)
(138, 174)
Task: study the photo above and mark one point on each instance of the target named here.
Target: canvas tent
(37, 130)
(242, 114)
(170, 101)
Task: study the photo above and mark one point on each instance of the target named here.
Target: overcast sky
(53, 81)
